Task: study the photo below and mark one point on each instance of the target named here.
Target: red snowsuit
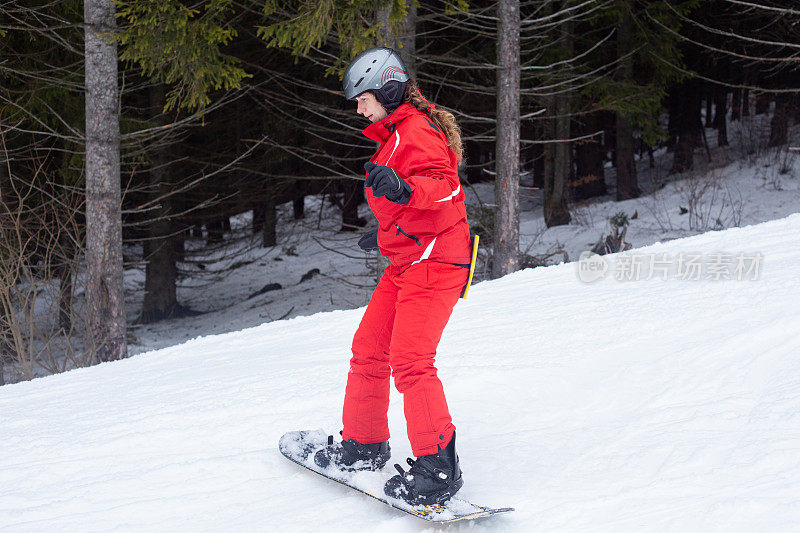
(427, 241)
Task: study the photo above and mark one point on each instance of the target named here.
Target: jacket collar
(383, 129)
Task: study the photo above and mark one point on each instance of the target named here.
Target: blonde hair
(443, 119)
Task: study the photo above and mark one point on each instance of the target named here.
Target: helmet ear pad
(391, 94)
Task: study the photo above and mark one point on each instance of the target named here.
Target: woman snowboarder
(412, 187)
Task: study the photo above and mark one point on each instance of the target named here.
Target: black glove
(369, 242)
(385, 182)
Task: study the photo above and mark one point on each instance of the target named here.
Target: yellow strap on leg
(471, 266)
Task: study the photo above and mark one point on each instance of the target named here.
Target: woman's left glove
(385, 182)
(369, 242)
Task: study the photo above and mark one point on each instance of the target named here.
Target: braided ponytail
(443, 119)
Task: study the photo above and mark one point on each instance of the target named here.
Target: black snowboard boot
(351, 456)
(432, 479)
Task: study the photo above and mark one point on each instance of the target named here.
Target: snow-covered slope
(645, 405)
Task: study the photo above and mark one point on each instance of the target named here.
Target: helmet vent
(371, 70)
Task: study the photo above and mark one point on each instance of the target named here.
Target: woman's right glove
(385, 182)
(369, 242)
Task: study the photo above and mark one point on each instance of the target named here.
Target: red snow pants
(398, 336)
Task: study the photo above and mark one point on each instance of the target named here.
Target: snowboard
(300, 447)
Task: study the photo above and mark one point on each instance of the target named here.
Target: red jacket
(433, 224)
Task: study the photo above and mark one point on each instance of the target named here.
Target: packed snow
(623, 404)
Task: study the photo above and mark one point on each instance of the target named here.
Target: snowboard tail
(300, 446)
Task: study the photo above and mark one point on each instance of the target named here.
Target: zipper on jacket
(414, 237)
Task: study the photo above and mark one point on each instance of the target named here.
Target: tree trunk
(299, 207)
(736, 104)
(407, 37)
(627, 180)
(683, 158)
(64, 270)
(352, 194)
(105, 298)
(673, 114)
(506, 190)
(721, 115)
(161, 273)
(4, 177)
(589, 171)
(746, 103)
(259, 212)
(762, 104)
(689, 126)
(779, 127)
(382, 13)
(215, 228)
(537, 153)
(555, 190)
(269, 236)
(408, 40)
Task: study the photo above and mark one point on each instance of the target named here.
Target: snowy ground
(641, 405)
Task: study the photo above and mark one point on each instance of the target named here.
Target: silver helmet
(371, 70)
